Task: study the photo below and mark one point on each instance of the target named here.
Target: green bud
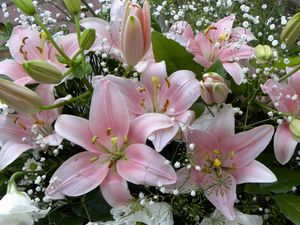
(295, 129)
(291, 31)
(20, 98)
(73, 6)
(87, 39)
(263, 53)
(43, 72)
(26, 6)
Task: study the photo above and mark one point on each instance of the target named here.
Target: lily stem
(289, 74)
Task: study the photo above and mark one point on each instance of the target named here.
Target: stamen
(232, 154)
(21, 49)
(156, 87)
(125, 140)
(166, 105)
(15, 119)
(24, 40)
(141, 89)
(217, 163)
(40, 122)
(108, 131)
(168, 83)
(94, 159)
(94, 139)
(217, 152)
(114, 141)
(22, 126)
(39, 49)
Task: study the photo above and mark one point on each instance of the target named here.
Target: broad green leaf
(287, 179)
(218, 68)
(2, 180)
(198, 108)
(255, 189)
(175, 56)
(293, 61)
(289, 205)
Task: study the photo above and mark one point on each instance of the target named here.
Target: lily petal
(105, 119)
(14, 71)
(115, 190)
(255, 172)
(78, 175)
(235, 70)
(284, 143)
(143, 126)
(145, 166)
(222, 126)
(222, 196)
(76, 130)
(10, 151)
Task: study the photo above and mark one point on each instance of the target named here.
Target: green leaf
(81, 69)
(154, 24)
(255, 189)
(293, 61)
(175, 56)
(2, 180)
(61, 59)
(289, 206)
(287, 179)
(198, 108)
(218, 68)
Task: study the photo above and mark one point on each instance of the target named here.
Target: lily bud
(213, 88)
(73, 6)
(295, 129)
(20, 98)
(87, 39)
(43, 72)
(263, 53)
(26, 6)
(135, 32)
(291, 31)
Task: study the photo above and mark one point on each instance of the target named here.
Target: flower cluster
(165, 125)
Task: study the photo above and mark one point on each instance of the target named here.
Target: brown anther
(110, 164)
(141, 89)
(142, 103)
(39, 122)
(168, 83)
(39, 49)
(166, 105)
(25, 56)
(24, 40)
(22, 126)
(108, 131)
(21, 49)
(15, 119)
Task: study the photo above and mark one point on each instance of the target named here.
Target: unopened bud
(43, 72)
(295, 129)
(291, 31)
(213, 88)
(73, 6)
(26, 6)
(263, 53)
(87, 39)
(20, 98)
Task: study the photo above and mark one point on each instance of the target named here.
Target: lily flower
(218, 41)
(22, 132)
(116, 150)
(222, 159)
(158, 93)
(285, 97)
(26, 44)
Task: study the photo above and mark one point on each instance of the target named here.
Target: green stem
(289, 74)
(78, 31)
(89, 8)
(263, 106)
(11, 183)
(66, 102)
(87, 84)
(67, 72)
(50, 38)
(80, 51)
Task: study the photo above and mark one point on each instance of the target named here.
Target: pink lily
(286, 99)
(119, 45)
(158, 93)
(226, 159)
(218, 41)
(116, 150)
(21, 132)
(27, 43)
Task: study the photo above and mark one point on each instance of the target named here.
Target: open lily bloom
(285, 97)
(158, 93)
(21, 132)
(218, 41)
(26, 44)
(116, 150)
(226, 159)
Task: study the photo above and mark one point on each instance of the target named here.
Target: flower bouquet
(155, 113)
